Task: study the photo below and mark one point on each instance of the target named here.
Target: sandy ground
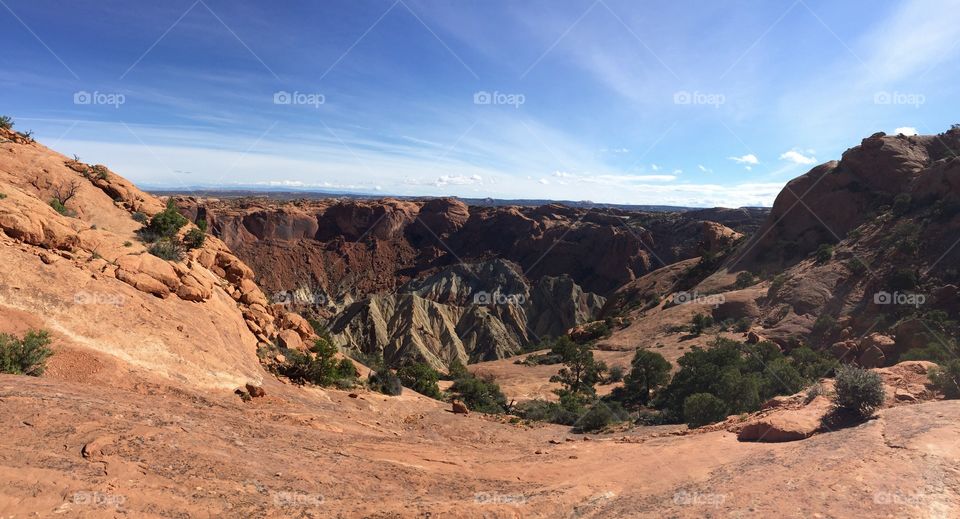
(76, 450)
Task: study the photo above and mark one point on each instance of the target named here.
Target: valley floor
(75, 450)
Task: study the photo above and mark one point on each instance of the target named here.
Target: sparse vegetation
(902, 204)
(319, 366)
(385, 381)
(140, 217)
(480, 394)
(824, 253)
(580, 372)
(165, 224)
(166, 249)
(6, 123)
(859, 391)
(946, 379)
(744, 279)
(26, 356)
(699, 324)
(421, 378)
(194, 238)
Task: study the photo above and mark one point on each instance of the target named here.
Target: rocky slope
(85, 276)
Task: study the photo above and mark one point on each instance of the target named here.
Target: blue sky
(690, 103)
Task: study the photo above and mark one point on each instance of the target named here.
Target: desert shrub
(813, 392)
(480, 394)
(59, 207)
(700, 409)
(166, 249)
(648, 371)
(824, 253)
(859, 391)
(812, 365)
(600, 415)
(743, 325)
(700, 323)
(319, 367)
(140, 217)
(776, 284)
(939, 351)
(6, 123)
(26, 356)
(580, 372)
(456, 370)
(946, 379)
(745, 279)
(542, 359)
(166, 223)
(421, 378)
(615, 374)
(857, 266)
(385, 381)
(824, 326)
(565, 412)
(902, 204)
(194, 238)
(3, 196)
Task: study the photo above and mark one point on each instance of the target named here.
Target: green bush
(824, 326)
(600, 415)
(580, 372)
(824, 253)
(565, 412)
(166, 223)
(6, 123)
(859, 391)
(420, 378)
(385, 381)
(194, 238)
(141, 217)
(744, 279)
(649, 370)
(741, 376)
(480, 394)
(700, 409)
(166, 249)
(59, 207)
(813, 365)
(700, 323)
(321, 368)
(946, 379)
(27, 356)
(615, 374)
(778, 281)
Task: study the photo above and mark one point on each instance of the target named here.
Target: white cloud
(798, 158)
(704, 169)
(905, 130)
(746, 159)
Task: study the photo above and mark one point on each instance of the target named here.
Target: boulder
(788, 424)
(872, 357)
(291, 340)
